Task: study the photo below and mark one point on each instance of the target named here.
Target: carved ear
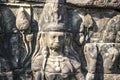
(22, 20)
(88, 21)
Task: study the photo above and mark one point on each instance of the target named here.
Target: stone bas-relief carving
(90, 51)
(109, 57)
(97, 3)
(57, 64)
(58, 61)
(94, 26)
(112, 30)
(91, 3)
(100, 28)
(17, 43)
(23, 24)
(89, 48)
(104, 55)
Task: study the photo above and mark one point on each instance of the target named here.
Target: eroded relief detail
(101, 58)
(91, 52)
(110, 55)
(59, 40)
(23, 25)
(58, 61)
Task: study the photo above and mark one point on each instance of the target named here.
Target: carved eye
(61, 37)
(53, 37)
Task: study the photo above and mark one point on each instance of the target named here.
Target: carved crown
(54, 17)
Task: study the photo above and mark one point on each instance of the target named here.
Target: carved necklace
(57, 65)
(57, 60)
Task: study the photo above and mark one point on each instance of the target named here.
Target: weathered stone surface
(96, 20)
(36, 15)
(63, 38)
(96, 3)
(81, 3)
(102, 60)
(9, 19)
(111, 76)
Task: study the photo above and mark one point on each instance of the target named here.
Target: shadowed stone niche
(59, 40)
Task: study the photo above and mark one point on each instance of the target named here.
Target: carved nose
(57, 39)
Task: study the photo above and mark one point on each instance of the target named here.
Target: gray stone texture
(94, 27)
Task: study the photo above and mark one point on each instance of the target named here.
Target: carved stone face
(55, 40)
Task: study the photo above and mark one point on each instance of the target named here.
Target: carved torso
(59, 67)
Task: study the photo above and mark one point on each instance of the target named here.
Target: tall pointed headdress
(54, 16)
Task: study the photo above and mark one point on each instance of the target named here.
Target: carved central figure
(58, 61)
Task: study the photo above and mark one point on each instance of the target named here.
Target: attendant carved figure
(90, 51)
(110, 55)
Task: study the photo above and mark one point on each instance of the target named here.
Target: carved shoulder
(37, 63)
(75, 63)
